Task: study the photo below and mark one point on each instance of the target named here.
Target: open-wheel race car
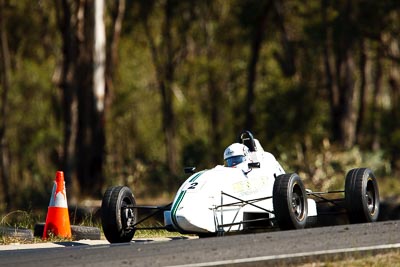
(250, 191)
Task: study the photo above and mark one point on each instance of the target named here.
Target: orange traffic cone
(57, 220)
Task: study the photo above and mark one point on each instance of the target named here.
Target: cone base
(57, 222)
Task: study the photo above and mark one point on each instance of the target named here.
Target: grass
(156, 233)
(389, 188)
(7, 240)
(23, 219)
(391, 259)
(18, 218)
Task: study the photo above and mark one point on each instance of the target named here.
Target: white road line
(289, 256)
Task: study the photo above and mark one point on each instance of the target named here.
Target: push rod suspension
(248, 202)
(162, 208)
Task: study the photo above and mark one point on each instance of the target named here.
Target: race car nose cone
(186, 219)
(194, 220)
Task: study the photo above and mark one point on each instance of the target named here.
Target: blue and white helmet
(235, 154)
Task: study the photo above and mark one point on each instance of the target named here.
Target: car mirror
(189, 170)
(254, 165)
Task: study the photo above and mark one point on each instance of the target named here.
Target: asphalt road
(249, 249)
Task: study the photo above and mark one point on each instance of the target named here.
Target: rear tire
(361, 196)
(117, 214)
(290, 202)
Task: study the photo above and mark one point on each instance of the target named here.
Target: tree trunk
(214, 91)
(118, 12)
(84, 97)
(90, 140)
(169, 121)
(99, 88)
(347, 94)
(394, 82)
(99, 57)
(5, 69)
(65, 19)
(376, 103)
(287, 57)
(215, 116)
(341, 83)
(215, 109)
(163, 57)
(363, 96)
(256, 42)
(330, 75)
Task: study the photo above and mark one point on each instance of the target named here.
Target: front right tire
(361, 196)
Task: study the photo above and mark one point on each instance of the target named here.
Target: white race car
(250, 191)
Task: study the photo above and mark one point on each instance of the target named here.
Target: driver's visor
(233, 161)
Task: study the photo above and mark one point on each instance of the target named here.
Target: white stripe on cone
(59, 199)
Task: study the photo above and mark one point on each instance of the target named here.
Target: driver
(237, 156)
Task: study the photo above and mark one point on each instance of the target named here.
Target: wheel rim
(297, 203)
(127, 214)
(370, 197)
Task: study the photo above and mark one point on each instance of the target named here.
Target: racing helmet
(235, 154)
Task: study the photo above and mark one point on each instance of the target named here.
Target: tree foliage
(183, 79)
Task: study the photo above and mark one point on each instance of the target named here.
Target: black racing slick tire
(17, 233)
(118, 215)
(361, 196)
(79, 232)
(290, 202)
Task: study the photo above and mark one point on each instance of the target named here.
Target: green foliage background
(292, 113)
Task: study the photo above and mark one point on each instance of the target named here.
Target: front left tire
(118, 215)
(290, 202)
